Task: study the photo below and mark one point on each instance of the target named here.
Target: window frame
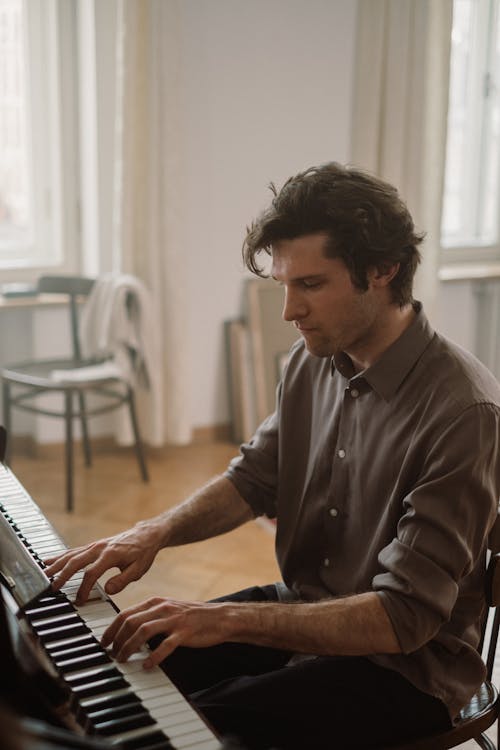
(469, 250)
(51, 33)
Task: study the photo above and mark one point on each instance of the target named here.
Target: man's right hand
(132, 551)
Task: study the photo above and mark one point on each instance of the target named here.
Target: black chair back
(74, 287)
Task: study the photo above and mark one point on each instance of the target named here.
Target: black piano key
(162, 745)
(133, 705)
(57, 644)
(84, 677)
(111, 700)
(140, 743)
(41, 623)
(51, 596)
(65, 631)
(82, 661)
(59, 607)
(80, 649)
(98, 687)
(124, 724)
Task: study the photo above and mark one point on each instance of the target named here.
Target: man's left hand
(194, 624)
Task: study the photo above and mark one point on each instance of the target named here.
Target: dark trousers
(331, 703)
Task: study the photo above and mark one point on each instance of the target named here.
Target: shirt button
(354, 392)
(341, 453)
(333, 512)
(326, 562)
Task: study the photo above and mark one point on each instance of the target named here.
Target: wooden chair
(23, 383)
(484, 708)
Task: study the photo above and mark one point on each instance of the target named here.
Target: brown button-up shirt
(387, 481)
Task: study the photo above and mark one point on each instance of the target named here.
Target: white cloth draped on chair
(118, 322)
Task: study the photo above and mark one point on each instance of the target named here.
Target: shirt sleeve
(442, 535)
(254, 472)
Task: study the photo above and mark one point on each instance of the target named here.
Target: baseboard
(26, 445)
(216, 433)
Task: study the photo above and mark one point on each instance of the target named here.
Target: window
(38, 172)
(471, 205)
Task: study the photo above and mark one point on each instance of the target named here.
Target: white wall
(267, 92)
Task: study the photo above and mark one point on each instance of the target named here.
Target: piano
(120, 704)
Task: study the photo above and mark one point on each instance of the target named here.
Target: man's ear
(383, 275)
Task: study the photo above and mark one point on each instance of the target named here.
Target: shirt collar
(387, 373)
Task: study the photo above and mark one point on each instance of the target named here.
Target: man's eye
(312, 284)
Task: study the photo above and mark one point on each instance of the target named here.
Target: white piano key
(173, 714)
(170, 696)
(34, 523)
(72, 591)
(191, 738)
(130, 668)
(159, 702)
(46, 553)
(208, 743)
(93, 612)
(138, 679)
(131, 734)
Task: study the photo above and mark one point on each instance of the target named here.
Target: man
(381, 467)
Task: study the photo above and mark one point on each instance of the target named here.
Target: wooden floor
(111, 497)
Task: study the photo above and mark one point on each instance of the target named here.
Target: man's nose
(293, 307)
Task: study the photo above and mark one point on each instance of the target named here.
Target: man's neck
(389, 329)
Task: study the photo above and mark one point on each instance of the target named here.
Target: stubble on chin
(321, 348)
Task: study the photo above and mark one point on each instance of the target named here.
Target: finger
(161, 652)
(109, 634)
(111, 631)
(71, 565)
(57, 562)
(90, 578)
(137, 618)
(141, 635)
(118, 582)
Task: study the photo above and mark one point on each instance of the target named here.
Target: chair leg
(6, 418)
(139, 451)
(484, 742)
(68, 418)
(85, 433)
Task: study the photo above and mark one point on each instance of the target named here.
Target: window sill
(470, 271)
(38, 300)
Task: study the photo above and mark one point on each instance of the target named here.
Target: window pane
(471, 196)
(16, 222)
(492, 137)
(461, 43)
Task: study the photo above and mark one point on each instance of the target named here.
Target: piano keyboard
(131, 707)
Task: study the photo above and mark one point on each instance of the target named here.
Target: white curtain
(147, 222)
(400, 111)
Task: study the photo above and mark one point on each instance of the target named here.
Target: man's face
(320, 299)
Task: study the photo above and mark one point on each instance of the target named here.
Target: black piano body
(54, 669)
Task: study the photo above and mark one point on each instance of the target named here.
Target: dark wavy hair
(366, 223)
